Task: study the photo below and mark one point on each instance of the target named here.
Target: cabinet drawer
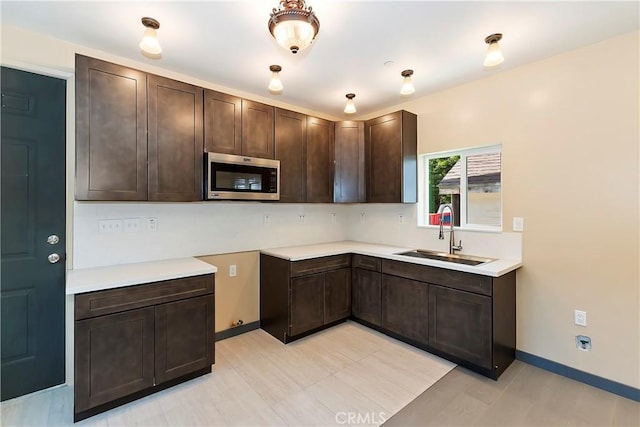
(439, 276)
(99, 303)
(367, 262)
(319, 265)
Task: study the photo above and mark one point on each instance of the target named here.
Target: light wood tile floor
(523, 396)
(348, 374)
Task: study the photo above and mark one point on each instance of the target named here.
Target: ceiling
(228, 43)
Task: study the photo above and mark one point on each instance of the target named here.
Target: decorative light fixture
(350, 107)
(275, 85)
(407, 85)
(149, 42)
(494, 56)
(294, 25)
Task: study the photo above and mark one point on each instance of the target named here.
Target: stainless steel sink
(443, 256)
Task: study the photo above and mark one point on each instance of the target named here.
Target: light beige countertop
(115, 276)
(495, 268)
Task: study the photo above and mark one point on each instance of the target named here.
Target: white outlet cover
(131, 225)
(233, 270)
(152, 224)
(580, 318)
(518, 224)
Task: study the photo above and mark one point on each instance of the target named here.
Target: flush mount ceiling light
(350, 107)
(494, 56)
(149, 43)
(294, 25)
(275, 85)
(407, 84)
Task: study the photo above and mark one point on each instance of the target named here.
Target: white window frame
(423, 186)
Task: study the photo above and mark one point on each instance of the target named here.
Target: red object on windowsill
(434, 218)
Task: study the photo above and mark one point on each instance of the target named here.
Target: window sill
(467, 228)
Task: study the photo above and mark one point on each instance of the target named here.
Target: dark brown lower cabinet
(405, 308)
(467, 318)
(184, 337)
(337, 295)
(297, 297)
(460, 324)
(114, 357)
(366, 295)
(133, 341)
(307, 303)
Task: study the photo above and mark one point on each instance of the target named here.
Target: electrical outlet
(333, 218)
(152, 224)
(131, 225)
(363, 217)
(400, 219)
(580, 317)
(110, 225)
(518, 224)
(301, 218)
(233, 271)
(266, 219)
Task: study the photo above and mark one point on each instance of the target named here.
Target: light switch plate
(580, 317)
(518, 224)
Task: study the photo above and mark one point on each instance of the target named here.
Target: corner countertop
(495, 268)
(115, 276)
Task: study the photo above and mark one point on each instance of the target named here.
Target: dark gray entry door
(32, 212)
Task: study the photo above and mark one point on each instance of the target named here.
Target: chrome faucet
(452, 240)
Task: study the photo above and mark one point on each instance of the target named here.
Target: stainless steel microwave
(232, 177)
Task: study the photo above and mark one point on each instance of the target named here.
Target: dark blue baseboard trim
(584, 377)
(237, 330)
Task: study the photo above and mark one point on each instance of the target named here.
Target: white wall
(205, 228)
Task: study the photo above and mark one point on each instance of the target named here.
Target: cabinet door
(222, 123)
(307, 303)
(460, 324)
(257, 129)
(405, 308)
(319, 160)
(113, 357)
(175, 140)
(348, 184)
(391, 158)
(290, 143)
(111, 131)
(184, 337)
(337, 295)
(366, 294)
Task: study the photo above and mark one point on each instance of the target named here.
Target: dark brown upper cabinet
(175, 140)
(111, 131)
(257, 129)
(222, 123)
(319, 170)
(290, 145)
(348, 185)
(391, 158)
(138, 136)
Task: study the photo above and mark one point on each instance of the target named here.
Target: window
(469, 181)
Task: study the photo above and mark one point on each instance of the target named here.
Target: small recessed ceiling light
(494, 56)
(350, 107)
(275, 85)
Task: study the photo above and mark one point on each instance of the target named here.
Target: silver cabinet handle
(53, 239)
(53, 258)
